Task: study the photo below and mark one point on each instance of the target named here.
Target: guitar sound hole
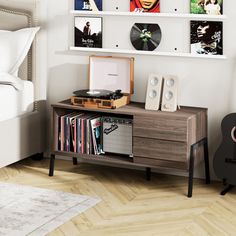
(233, 134)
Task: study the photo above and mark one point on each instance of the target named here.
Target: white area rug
(26, 210)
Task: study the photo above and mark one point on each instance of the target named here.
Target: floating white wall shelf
(149, 53)
(163, 15)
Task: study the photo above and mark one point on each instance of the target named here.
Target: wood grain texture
(197, 127)
(55, 128)
(160, 149)
(133, 108)
(132, 206)
(160, 137)
(154, 162)
(168, 128)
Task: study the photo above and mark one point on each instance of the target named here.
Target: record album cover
(88, 32)
(207, 37)
(145, 5)
(210, 7)
(96, 135)
(88, 5)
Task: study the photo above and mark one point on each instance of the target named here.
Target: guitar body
(224, 162)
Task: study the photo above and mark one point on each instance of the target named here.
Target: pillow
(14, 81)
(14, 46)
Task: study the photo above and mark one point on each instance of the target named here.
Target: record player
(111, 83)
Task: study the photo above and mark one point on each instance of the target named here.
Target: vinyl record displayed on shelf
(145, 36)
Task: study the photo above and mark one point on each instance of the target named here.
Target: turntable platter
(98, 93)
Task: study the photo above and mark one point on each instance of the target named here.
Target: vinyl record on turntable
(98, 93)
(145, 36)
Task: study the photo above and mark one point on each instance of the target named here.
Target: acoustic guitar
(224, 162)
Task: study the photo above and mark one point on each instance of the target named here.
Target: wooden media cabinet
(173, 140)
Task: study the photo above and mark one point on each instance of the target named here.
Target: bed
(18, 102)
(22, 113)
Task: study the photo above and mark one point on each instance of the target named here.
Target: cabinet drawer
(161, 163)
(168, 128)
(160, 149)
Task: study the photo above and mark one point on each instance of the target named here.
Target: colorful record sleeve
(88, 5)
(145, 6)
(210, 7)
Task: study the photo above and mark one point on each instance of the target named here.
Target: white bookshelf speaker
(153, 95)
(170, 93)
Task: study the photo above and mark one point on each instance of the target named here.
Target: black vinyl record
(98, 93)
(145, 36)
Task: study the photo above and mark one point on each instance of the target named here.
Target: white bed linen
(14, 102)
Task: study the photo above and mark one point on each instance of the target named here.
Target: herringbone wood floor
(130, 205)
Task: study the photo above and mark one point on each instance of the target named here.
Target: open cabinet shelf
(154, 143)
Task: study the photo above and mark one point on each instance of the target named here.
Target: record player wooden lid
(111, 73)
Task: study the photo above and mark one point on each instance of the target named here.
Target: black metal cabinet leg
(191, 164)
(227, 189)
(52, 162)
(148, 173)
(206, 159)
(191, 171)
(75, 162)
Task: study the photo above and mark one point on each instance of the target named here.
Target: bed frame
(24, 135)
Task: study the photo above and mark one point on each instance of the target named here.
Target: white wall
(204, 82)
